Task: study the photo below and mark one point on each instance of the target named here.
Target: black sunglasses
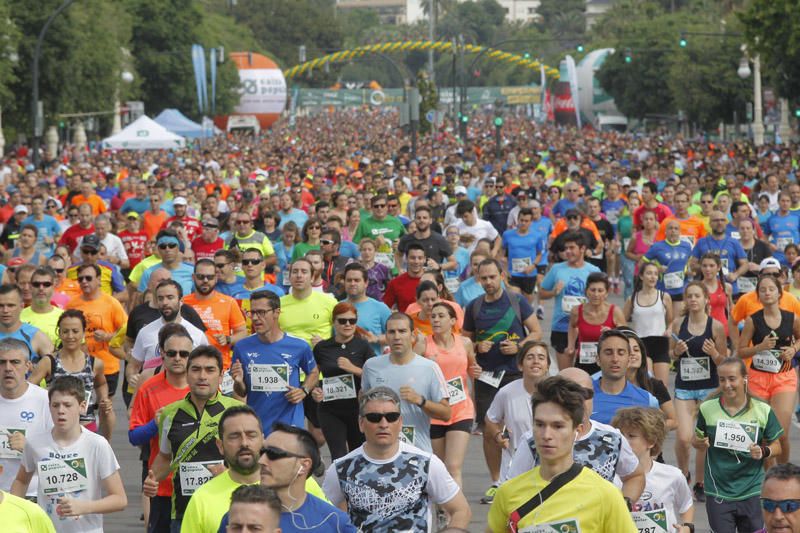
(175, 353)
(205, 277)
(221, 265)
(343, 321)
(169, 245)
(85, 278)
(274, 454)
(40, 284)
(375, 418)
(58, 270)
(89, 251)
(253, 262)
(326, 241)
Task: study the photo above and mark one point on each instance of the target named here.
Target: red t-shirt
(134, 245)
(661, 211)
(206, 250)
(402, 291)
(192, 225)
(70, 237)
(154, 394)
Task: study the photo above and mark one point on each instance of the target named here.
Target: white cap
(21, 209)
(389, 163)
(769, 262)
(460, 189)
(180, 200)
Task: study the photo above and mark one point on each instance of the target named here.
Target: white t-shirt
(113, 244)
(29, 412)
(381, 493)
(145, 347)
(666, 488)
(482, 229)
(512, 407)
(595, 446)
(90, 458)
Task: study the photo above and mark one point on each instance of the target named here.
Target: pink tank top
(639, 248)
(453, 363)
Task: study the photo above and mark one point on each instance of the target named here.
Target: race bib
(452, 284)
(695, 368)
(673, 280)
(725, 270)
(269, 378)
(737, 436)
(386, 259)
(226, 386)
(407, 434)
(587, 355)
(338, 387)
(650, 521)
(455, 389)
(783, 242)
(746, 284)
(5, 446)
(286, 278)
(736, 235)
(492, 378)
(562, 526)
(768, 361)
(194, 475)
(61, 476)
(520, 264)
(569, 302)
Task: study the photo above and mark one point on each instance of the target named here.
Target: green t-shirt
(301, 248)
(390, 228)
(729, 474)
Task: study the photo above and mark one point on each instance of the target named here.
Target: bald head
(158, 275)
(579, 376)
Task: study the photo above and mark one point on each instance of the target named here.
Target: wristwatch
(421, 404)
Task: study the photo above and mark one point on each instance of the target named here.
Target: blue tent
(176, 122)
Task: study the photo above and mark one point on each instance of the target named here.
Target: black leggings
(339, 422)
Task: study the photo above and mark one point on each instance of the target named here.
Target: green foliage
(428, 99)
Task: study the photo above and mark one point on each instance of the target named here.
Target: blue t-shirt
(47, 227)
(372, 316)
(314, 515)
(605, 405)
(496, 321)
(730, 252)
(348, 249)
(574, 280)
(522, 250)
(562, 206)
(182, 274)
(542, 227)
(298, 216)
(134, 204)
(783, 230)
(244, 293)
(273, 406)
(612, 209)
(229, 289)
(468, 291)
(674, 257)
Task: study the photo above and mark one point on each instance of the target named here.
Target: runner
(372, 314)
(524, 249)
(671, 256)
(780, 499)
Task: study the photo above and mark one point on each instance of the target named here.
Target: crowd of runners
(259, 303)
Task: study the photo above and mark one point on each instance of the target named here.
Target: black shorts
(558, 340)
(677, 297)
(310, 409)
(657, 348)
(526, 285)
(485, 393)
(113, 381)
(438, 431)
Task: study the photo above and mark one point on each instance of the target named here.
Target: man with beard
(191, 224)
(240, 440)
(145, 353)
(437, 249)
(220, 313)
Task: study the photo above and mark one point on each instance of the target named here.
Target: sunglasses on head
(177, 353)
(252, 262)
(169, 245)
(275, 454)
(786, 506)
(375, 418)
(343, 321)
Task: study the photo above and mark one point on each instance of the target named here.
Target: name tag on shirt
(588, 353)
(768, 361)
(492, 378)
(673, 280)
(569, 302)
(6, 452)
(561, 526)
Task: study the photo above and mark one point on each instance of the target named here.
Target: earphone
(300, 471)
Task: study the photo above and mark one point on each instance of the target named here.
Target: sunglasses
(242, 222)
(58, 270)
(210, 226)
(41, 284)
(326, 241)
(205, 277)
(166, 246)
(573, 217)
(343, 321)
(252, 262)
(274, 454)
(375, 418)
(177, 353)
(85, 278)
(221, 265)
(786, 506)
(89, 251)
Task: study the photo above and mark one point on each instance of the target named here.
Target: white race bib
(651, 521)
(733, 435)
(407, 434)
(587, 354)
(673, 280)
(226, 386)
(746, 284)
(520, 264)
(61, 476)
(492, 378)
(452, 284)
(768, 361)
(338, 387)
(194, 475)
(5, 446)
(455, 389)
(561, 526)
(269, 378)
(286, 278)
(386, 259)
(783, 242)
(695, 368)
(568, 302)
(736, 235)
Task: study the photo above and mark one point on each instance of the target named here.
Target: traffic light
(498, 121)
(628, 56)
(797, 112)
(526, 55)
(464, 119)
(580, 48)
(683, 42)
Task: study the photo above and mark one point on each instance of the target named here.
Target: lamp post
(116, 127)
(758, 109)
(37, 53)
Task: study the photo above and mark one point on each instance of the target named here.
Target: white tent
(144, 134)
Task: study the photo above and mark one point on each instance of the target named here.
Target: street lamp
(744, 72)
(116, 127)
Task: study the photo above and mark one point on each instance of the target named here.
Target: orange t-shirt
(154, 394)
(104, 313)
(749, 304)
(221, 315)
(152, 223)
(561, 226)
(454, 364)
(424, 326)
(691, 227)
(70, 287)
(97, 203)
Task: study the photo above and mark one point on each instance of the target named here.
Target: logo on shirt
(27, 416)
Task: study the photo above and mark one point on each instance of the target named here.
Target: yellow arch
(401, 46)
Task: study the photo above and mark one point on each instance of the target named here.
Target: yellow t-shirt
(138, 271)
(588, 504)
(46, 322)
(21, 516)
(308, 317)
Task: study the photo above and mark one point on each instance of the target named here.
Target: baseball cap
(625, 181)
(21, 209)
(769, 262)
(91, 241)
(389, 163)
(132, 214)
(572, 213)
(208, 220)
(460, 189)
(180, 200)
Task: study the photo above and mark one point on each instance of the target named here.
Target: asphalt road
(475, 473)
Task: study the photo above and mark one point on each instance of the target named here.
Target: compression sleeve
(142, 434)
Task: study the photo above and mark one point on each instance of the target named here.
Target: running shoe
(699, 492)
(488, 497)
